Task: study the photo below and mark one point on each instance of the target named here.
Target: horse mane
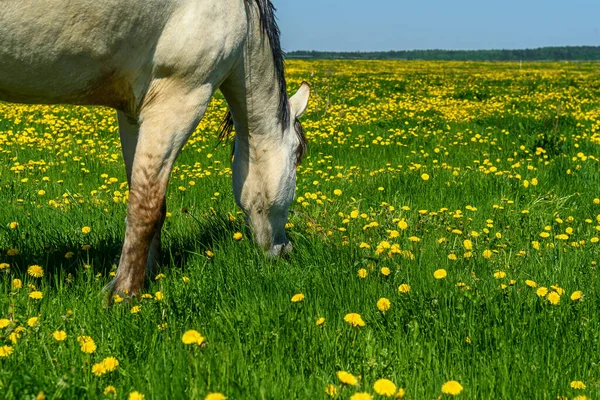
(268, 23)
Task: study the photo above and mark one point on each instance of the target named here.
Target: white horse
(158, 62)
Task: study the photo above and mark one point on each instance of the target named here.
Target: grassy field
(464, 194)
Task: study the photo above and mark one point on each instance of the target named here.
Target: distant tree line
(566, 53)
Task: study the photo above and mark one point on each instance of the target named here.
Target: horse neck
(252, 90)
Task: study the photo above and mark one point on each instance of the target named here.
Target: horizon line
(441, 49)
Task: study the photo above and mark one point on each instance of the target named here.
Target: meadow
(446, 243)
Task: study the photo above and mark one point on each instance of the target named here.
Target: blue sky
(427, 24)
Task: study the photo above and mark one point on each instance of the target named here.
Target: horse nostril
(274, 252)
(279, 250)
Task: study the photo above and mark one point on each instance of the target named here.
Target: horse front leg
(165, 125)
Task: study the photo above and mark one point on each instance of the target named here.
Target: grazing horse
(158, 63)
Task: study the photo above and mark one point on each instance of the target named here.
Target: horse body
(108, 53)
(158, 63)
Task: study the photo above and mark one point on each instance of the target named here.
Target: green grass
(473, 128)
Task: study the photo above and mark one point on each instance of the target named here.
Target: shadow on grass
(65, 257)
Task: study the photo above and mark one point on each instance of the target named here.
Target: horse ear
(299, 101)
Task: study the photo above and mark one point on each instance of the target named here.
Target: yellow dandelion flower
(4, 323)
(36, 271)
(110, 390)
(337, 192)
(117, 298)
(158, 296)
(85, 230)
(452, 257)
(88, 347)
(576, 295)
(135, 396)
(36, 295)
(320, 321)
(558, 289)
(237, 236)
(553, 298)
(452, 388)
(487, 253)
(110, 364)
(362, 273)
(404, 288)
(530, 283)
(297, 298)
(330, 390)
(401, 393)
(32, 321)
(209, 254)
(468, 245)
(542, 291)
(5, 351)
(385, 271)
(4, 266)
(59, 335)
(347, 378)
(87, 344)
(440, 274)
(14, 336)
(402, 224)
(354, 319)
(192, 337)
(13, 225)
(135, 309)
(383, 304)
(384, 387)
(12, 252)
(98, 369)
(425, 177)
(578, 385)
(215, 396)
(499, 274)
